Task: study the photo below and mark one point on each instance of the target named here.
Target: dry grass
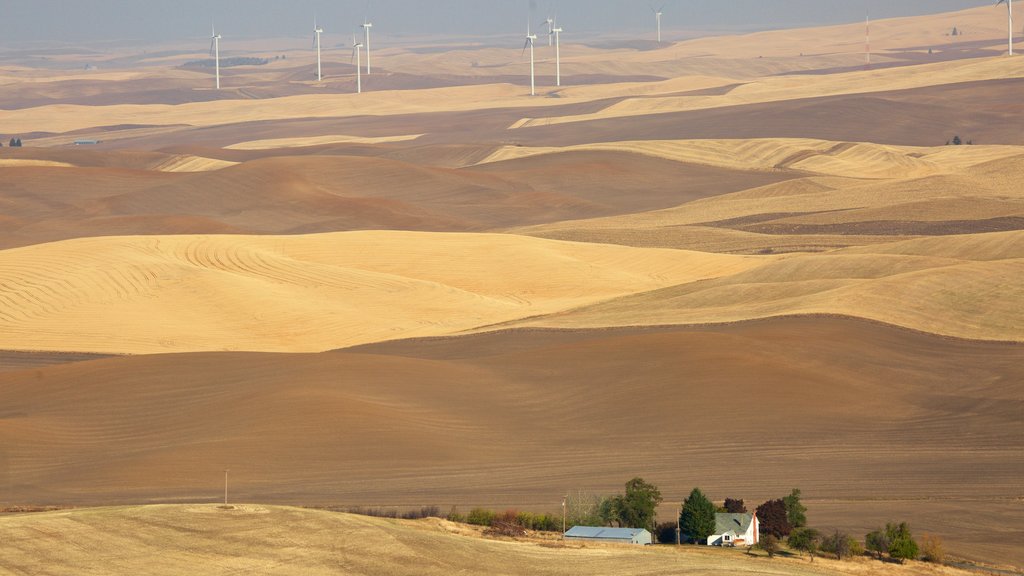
(312, 293)
(275, 540)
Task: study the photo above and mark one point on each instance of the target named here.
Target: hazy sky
(94, 20)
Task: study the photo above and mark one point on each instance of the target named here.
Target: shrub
(480, 517)
(735, 506)
(666, 533)
(932, 549)
(839, 543)
(901, 544)
(770, 544)
(502, 528)
(424, 512)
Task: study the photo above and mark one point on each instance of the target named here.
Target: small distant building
(614, 535)
(735, 530)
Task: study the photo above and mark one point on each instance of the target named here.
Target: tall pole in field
(557, 30)
(566, 497)
(225, 487)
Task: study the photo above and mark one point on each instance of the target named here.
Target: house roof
(601, 533)
(736, 523)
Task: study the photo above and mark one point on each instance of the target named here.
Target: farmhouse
(734, 530)
(616, 535)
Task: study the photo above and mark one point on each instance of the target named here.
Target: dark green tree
(877, 542)
(697, 520)
(610, 510)
(902, 546)
(805, 540)
(796, 513)
(639, 505)
(957, 141)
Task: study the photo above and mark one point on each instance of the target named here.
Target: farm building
(616, 535)
(734, 530)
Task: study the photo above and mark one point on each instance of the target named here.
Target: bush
(539, 522)
(455, 516)
(932, 549)
(735, 506)
(480, 517)
(424, 512)
(770, 544)
(666, 533)
(503, 528)
(901, 544)
(841, 544)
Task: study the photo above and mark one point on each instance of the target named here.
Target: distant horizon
(92, 22)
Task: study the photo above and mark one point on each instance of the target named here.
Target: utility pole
(226, 486)
(678, 528)
(564, 498)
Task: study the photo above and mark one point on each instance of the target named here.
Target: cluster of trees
(14, 143)
(956, 141)
(777, 517)
(634, 508)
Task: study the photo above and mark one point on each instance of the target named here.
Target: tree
(772, 517)
(957, 141)
(639, 505)
(610, 510)
(932, 549)
(839, 543)
(697, 520)
(12, 143)
(877, 542)
(583, 509)
(795, 511)
(902, 546)
(734, 506)
(770, 544)
(805, 540)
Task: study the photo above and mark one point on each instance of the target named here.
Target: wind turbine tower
(366, 27)
(356, 46)
(530, 38)
(1009, 16)
(317, 31)
(867, 39)
(557, 30)
(551, 28)
(215, 52)
(657, 18)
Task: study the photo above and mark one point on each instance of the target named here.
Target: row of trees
(14, 143)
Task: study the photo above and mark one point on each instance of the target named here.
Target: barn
(614, 535)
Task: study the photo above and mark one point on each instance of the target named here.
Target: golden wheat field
(744, 273)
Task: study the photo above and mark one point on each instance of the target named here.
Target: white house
(617, 535)
(735, 530)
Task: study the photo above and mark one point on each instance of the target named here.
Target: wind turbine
(530, 38)
(366, 26)
(657, 18)
(551, 27)
(867, 39)
(1009, 15)
(356, 45)
(558, 54)
(317, 31)
(215, 52)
